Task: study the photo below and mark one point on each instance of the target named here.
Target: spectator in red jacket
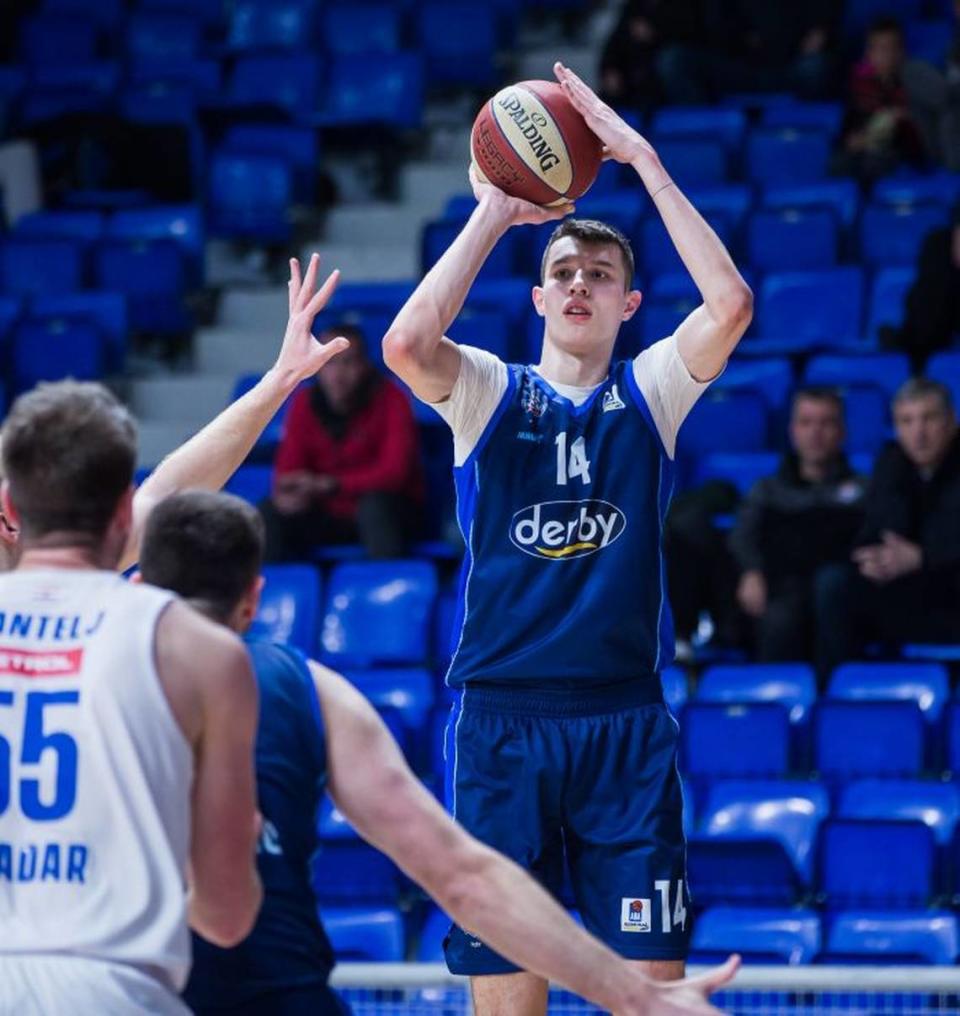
(348, 467)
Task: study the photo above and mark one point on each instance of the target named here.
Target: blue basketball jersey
(562, 508)
(288, 946)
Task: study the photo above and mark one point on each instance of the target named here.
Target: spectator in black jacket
(793, 524)
(903, 584)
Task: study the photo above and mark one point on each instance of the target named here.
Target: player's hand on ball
(301, 354)
(690, 996)
(514, 211)
(620, 141)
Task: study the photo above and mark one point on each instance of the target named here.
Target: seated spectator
(348, 466)
(903, 584)
(879, 132)
(653, 55)
(793, 524)
(932, 311)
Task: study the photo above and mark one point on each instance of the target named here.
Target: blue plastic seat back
(27, 265)
(365, 934)
(854, 739)
(935, 803)
(945, 367)
(793, 935)
(183, 224)
(712, 122)
(742, 469)
(439, 235)
(769, 377)
(867, 417)
(675, 689)
(486, 329)
(793, 685)
(724, 421)
(107, 311)
(732, 200)
(787, 155)
(435, 929)
(661, 317)
(695, 161)
(888, 296)
(939, 187)
(290, 606)
(789, 812)
(822, 306)
(408, 691)
(57, 39)
(271, 24)
(83, 226)
(351, 29)
(296, 145)
(379, 612)
(11, 309)
(48, 349)
(886, 371)
(386, 88)
(823, 116)
(153, 275)
(289, 81)
(250, 196)
(252, 483)
(351, 871)
(458, 41)
(754, 871)
(927, 684)
(158, 39)
(931, 935)
(792, 239)
(730, 740)
(865, 863)
(858, 14)
(894, 234)
(842, 197)
(953, 737)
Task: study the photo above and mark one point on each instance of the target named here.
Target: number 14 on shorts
(636, 913)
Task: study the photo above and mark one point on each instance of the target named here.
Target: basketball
(529, 141)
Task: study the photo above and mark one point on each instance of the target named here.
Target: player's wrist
(651, 171)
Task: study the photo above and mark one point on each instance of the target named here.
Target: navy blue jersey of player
(287, 957)
(562, 508)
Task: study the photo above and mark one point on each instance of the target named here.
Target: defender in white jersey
(119, 766)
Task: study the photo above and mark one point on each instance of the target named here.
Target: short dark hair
(204, 546)
(820, 393)
(593, 232)
(920, 388)
(348, 330)
(69, 451)
(885, 24)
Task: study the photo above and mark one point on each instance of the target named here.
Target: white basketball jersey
(95, 776)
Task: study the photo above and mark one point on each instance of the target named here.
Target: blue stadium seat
(742, 469)
(675, 689)
(840, 196)
(720, 740)
(724, 421)
(297, 146)
(510, 296)
(349, 871)
(365, 934)
(332, 824)
(659, 318)
(856, 739)
(769, 377)
(105, 12)
(181, 223)
(945, 367)
(408, 691)
(820, 306)
(926, 684)
(49, 349)
(440, 234)
(786, 155)
(351, 29)
(152, 274)
(252, 483)
(937, 804)
(486, 329)
(888, 295)
(929, 40)
(885, 371)
(731, 200)
(271, 24)
(823, 116)
(107, 311)
(858, 14)
(250, 197)
(867, 415)
(210, 12)
(158, 39)
(27, 265)
(290, 606)
(203, 77)
(758, 934)
(458, 41)
(385, 88)
(58, 39)
(287, 81)
(894, 234)
(792, 239)
(11, 308)
(793, 685)
(866, 863)
(69, 225)
(434, 931)
(693, 161)
(941, 187)
(379, 612)
(711, 122)
(891, 937)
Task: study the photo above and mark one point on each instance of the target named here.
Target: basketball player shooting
(559, 744)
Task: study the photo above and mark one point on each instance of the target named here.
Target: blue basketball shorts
(589, 785)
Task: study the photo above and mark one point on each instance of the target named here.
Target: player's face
(925, 428)
(584, 297)
(342, 376)
(816, 430)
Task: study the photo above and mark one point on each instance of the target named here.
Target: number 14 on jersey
(576, 465)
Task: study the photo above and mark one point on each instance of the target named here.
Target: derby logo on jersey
(562, 530)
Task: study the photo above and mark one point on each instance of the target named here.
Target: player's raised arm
(415, 347)
(211, 456)
(481, 889)
(710, 333)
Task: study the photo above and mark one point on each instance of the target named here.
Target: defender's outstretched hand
(515, 211)
(620, 140)
(301, 355)
(690, 996)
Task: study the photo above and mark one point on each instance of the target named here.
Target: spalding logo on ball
(529, 141)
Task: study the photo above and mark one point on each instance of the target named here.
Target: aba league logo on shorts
(634, 914)
(563, 530)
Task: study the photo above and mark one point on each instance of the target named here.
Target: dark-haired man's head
(925, 421)
(885, 47)
(207, 548)
(816, 428)
(69, 451)
(344, 377)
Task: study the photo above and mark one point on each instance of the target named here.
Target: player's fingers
(715, 979)
(295, 281)
(328, 350)
(322, 297)
(310, 280)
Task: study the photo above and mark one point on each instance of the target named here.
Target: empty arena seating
(759, 934)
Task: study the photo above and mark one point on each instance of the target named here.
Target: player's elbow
(400, 350)
(228, 921)
(736, 307)
(469, 882)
